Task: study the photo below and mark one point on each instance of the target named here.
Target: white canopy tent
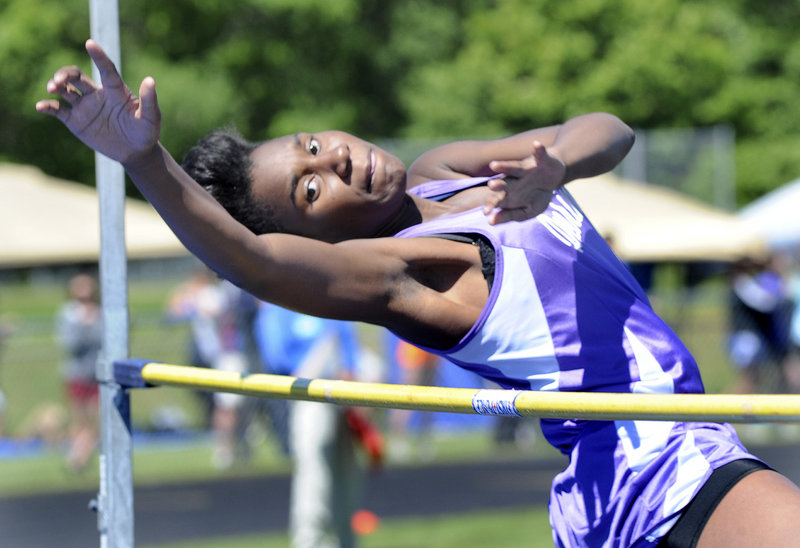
(651, 223)
(45, 220)
(776, 216)
(646, 222)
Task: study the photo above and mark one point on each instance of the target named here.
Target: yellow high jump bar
(134, 373)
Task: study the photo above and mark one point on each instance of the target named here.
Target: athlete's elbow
(623, 136)
(628, 138)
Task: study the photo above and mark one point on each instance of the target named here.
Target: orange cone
(364, 522)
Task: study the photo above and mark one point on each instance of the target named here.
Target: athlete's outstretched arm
(110, 119)
(342, 281)
(534, 162)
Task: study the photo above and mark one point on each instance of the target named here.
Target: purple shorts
(628, 481)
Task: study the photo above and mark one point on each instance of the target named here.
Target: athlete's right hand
(527, 185)
(106, 117)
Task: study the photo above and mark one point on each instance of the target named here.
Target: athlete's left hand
(527, 186)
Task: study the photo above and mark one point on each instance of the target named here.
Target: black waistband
(686, 531)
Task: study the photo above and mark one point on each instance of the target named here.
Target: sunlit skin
(334, 186)
(428, 290)
(331, 186)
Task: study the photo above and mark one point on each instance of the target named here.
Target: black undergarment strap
(686, 531)
(485, 248)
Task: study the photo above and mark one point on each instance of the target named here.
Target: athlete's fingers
(66, 74)
(499, 216)
(108, 72)
(496, 166)
(499, 188)
(62, 81)
(506, 193)
(514, 168)
(543, 156)
(497, 185)
(148, 104)
(75, 80)
(519, 167)
(492, 203)
(52, 107)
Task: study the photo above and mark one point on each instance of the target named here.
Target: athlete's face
(331, 186)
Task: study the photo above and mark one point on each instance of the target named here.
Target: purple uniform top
(564, 313)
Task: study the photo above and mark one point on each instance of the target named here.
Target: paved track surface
(232, 507)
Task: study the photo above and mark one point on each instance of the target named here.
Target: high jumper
(331, 225)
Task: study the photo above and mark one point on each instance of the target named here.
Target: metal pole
(114, 502)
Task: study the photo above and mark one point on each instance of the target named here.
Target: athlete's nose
(338, 159)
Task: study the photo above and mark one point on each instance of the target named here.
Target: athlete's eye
(314, 146)
(311, 189)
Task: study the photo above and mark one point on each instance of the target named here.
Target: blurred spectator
(213, 310)
(413, 366)
(186, 304)
(519, 431)
(792, 364)
(79, 333)
(327, 474)
(758, 320)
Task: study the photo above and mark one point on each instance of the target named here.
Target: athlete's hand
(106, 117)
(527, 186)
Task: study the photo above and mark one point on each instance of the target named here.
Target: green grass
(151, 466)
(156, 464)
(499, 529)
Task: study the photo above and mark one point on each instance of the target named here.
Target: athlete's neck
(413, 211)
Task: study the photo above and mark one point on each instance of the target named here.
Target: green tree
(32, 46)
(268, 67)
(655, 63)
(419, 68)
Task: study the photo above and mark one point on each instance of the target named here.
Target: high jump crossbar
(136, 373)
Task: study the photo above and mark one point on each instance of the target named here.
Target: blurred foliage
(451, 68)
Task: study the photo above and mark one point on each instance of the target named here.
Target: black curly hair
(221, 164)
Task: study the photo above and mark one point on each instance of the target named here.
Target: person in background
(79, 333)
(212, 309)
(327, 474)
(184, 305)
(758, 342)
(792, 361)
(414, 366)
